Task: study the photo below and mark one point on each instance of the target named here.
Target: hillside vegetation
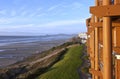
(60, 62)
(67, 67)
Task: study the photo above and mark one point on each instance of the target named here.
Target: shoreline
(41, 61)
(17, 52)
(37, 64)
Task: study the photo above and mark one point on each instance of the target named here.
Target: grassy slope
(67, 67)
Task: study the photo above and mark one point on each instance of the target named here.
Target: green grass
(67, 67)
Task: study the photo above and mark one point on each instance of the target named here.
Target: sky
(36, 17)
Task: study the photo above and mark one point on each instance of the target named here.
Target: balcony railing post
(107, 45)
(96, 43)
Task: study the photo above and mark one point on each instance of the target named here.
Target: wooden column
(117, 73)
(116, 2)
(96, 43)
(93, 47)
(117, 43)
(107, 45)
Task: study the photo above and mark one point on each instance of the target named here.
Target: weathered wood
(106, 10)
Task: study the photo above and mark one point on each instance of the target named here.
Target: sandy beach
(13, 53)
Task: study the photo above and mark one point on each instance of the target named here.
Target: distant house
(83, 37)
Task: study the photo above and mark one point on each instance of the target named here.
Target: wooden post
(107, 45)
(116, 2)
(96, 43)
(93, 46)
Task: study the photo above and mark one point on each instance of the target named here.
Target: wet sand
(13, 53)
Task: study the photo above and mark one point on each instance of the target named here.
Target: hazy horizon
(25, 34)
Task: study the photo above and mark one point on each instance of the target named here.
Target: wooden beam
(87, 21)
(117, 2)
(106, 10)
(92, 58)
(116, 24)
(99, 24)
(117, 49)
(95, 72)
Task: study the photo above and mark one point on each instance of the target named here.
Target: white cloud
(16, 27)
(4, 21)
(58, 26)
(3, 12)
(22, 26)
(16, 2)
(32, 14)
(53, 7)
(38, 9)
(13, 13)
(22, 8)
(45, 25)
(36, 13)
(42, 14)
(64, 13)
(24, 13)
(13, 20)
(63, 23)
(76, 5)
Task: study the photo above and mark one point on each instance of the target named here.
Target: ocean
(16, 48)
(5, 40)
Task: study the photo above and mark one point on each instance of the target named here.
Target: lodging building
(83, 37)
(103, 42)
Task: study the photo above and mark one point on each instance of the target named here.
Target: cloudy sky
(35, 17)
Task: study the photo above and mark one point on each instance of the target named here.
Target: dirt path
(26, 68)
(46, 57)
(50, 55)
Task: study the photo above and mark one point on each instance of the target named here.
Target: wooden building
(103, 43)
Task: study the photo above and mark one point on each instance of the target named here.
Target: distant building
(83, 37)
